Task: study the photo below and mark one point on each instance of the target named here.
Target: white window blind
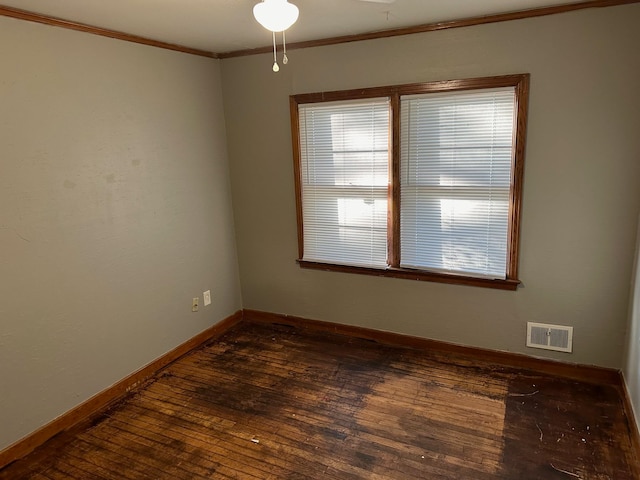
(344, 149)
(456, 156)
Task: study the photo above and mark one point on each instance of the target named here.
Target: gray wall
(581, 184)
(115, 210)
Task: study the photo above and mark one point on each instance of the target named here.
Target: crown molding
(103, 32)
(431, 27)
(395, 32)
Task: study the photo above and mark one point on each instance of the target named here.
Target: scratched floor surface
(273, 402)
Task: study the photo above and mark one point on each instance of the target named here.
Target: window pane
(456, 156)
(344, 169)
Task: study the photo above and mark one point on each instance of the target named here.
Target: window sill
(508, 284)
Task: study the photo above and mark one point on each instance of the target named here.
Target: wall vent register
(550, 337)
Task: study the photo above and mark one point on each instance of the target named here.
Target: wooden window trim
(409, 274)
(521, 84)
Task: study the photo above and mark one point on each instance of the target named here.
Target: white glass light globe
(275, 15)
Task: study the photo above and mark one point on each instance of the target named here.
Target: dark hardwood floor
(275, 402)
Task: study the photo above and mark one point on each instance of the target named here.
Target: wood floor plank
(151, 456)
(145, 420)
(192, 460)
(86, 467)
(242, 438)
(68, 469)
(271, 402)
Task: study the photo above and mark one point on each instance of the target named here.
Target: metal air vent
(550, 337)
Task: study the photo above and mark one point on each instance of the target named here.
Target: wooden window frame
(394, 93)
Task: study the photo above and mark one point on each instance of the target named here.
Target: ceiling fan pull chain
(285, 60)
(276, 68)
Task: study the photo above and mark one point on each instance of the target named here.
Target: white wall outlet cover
(207, 297)
(194, 305)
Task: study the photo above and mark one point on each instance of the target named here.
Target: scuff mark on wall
(16, 232)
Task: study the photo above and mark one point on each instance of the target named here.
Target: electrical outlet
(207, 297)
(194, 305)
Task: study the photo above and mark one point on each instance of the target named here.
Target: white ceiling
(228, 25)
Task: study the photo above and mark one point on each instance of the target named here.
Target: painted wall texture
(115, 211)
(581, 183)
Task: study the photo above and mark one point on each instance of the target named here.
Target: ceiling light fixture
(276, 16)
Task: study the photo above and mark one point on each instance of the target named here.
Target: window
(345, 169)
(417, 181)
